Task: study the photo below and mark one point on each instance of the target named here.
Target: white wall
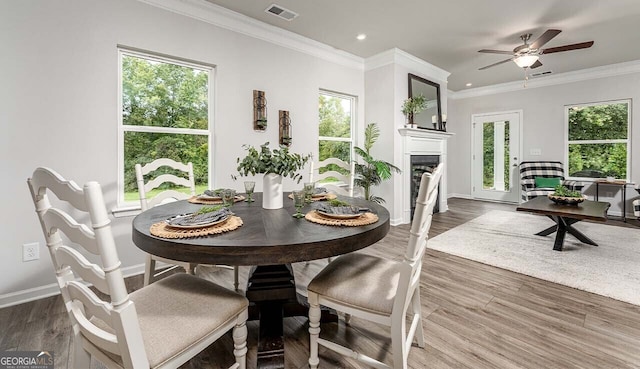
(386, 88)
(58, 105)
(543, 125)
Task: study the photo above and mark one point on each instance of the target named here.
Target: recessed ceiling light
(361, 36)
(469, 84)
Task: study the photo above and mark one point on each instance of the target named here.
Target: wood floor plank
(517, 351)
(592, 343)
(515, 329)
(465, 350)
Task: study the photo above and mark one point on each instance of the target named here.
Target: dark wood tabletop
(267, 237)
(587, 210)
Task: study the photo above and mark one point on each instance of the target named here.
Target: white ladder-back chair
(377, 289)
(315, 175)
(159, 326)
(150, 273)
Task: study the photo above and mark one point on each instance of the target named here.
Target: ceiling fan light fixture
(525, 61)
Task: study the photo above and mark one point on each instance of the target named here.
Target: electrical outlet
(31, 251)
(535, 152)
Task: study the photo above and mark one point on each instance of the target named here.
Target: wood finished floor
(475, 316)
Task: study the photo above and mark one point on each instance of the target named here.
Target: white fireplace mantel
(417, 141)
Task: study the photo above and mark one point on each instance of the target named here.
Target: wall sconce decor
(259, 111)
(285, 128)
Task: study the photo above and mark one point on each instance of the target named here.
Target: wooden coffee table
(565, 216)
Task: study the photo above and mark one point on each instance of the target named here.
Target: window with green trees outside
(165, 113)
(336, 121)
(598, 142)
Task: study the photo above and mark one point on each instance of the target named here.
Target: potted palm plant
(274, 164)
(372, 171)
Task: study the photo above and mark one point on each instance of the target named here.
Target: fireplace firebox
(419, 165)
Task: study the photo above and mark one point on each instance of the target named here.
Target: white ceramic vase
(272, 191)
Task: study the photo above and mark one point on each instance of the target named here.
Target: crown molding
(604, 71)
(397, 56)
(236, 22)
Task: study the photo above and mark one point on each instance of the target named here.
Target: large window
(598, 142)
(337, 117)
(165, 111)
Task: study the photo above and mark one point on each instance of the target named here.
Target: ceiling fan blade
(581, 45)
(536, 64)
(546, 37)
(494, 64)
(496, 51)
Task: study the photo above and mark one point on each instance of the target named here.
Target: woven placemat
(162, 229)
(197, 200)
(329, 196)
(364, 219)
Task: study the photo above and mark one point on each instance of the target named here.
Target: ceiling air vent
(281, 12)
(541, 73)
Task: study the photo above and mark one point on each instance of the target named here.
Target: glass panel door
(495, 157)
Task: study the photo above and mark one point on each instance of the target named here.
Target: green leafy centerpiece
(274, 164)
(565, 196)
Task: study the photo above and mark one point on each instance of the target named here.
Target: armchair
(530, 170)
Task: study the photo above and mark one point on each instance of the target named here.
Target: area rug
(507, 240)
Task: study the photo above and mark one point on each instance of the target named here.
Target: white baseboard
(40, 292)
(395, 222)
(460, 196)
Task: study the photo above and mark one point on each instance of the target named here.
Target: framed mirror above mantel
(431, 116)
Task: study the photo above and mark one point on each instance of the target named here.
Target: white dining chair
(162, 325)
(376, 289)
(344, 186)
(185, 181)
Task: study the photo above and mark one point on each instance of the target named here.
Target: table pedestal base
(563, 225)
(271, 290)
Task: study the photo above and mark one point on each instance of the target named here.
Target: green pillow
(544, 182)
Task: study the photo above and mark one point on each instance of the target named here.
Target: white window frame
(627, 140)
(354, 103)
(125, 208)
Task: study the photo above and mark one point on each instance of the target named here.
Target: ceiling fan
(527, 54)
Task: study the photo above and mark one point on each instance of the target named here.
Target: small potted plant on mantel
(412, 106)
(274, 164)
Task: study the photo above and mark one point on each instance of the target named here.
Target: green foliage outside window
(605, 127)
(158, 94)
(335, 122)
(488, 141)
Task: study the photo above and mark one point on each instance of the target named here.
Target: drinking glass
(298, 202)
(249, 186)
(228, 197)
(309, 188)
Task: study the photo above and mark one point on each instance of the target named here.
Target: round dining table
(269, 241)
